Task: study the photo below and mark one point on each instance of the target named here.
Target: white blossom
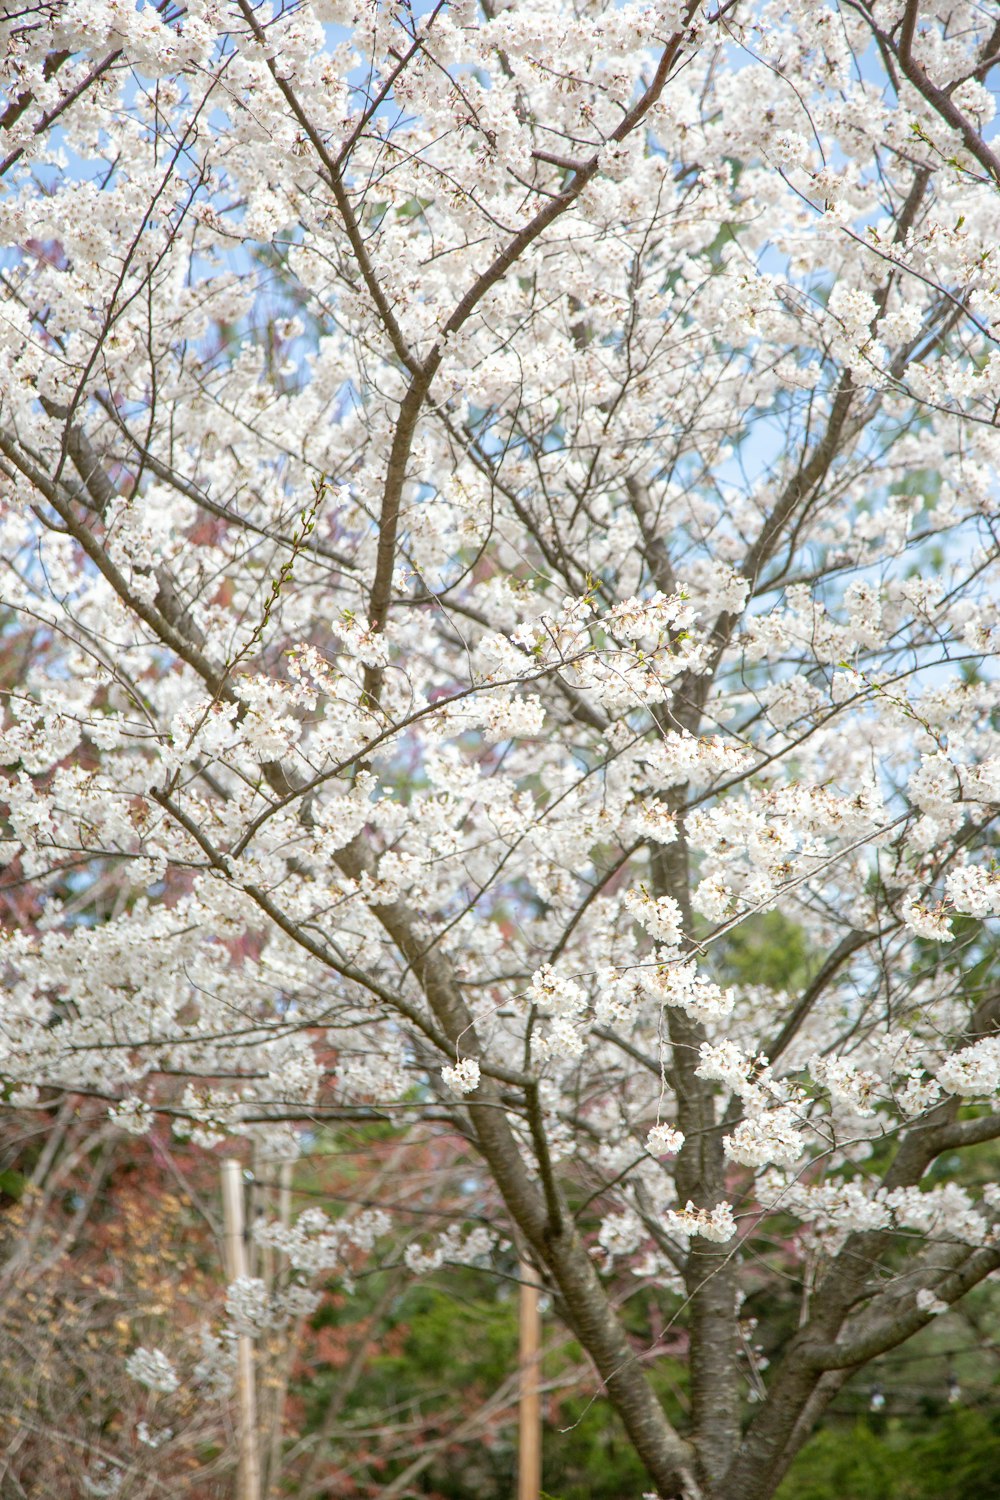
(927, 1302)
(132, 1114)
(973, 1071)
(314, 1242)
(215, 1371)
(453, 1247)
(659, 915)
(711, 1224)
(463, 1077)
(153, 1437)
(848, 1085)
(975, 889)
(620, 1234)
(918, 1093)
(725, 1063)
(664, 1140)
(928, 921)
(677, 984)
(153, 1369)
(248, 1306)
(771, 1136)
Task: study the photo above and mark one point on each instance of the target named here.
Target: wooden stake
(272, 1451)
(236, 1266)
(529, 1446)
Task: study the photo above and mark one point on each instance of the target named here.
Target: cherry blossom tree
(495, 500)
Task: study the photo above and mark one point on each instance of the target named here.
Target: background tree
(493, 501)
(101, 1248)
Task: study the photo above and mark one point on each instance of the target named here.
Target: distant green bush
(959, 1459)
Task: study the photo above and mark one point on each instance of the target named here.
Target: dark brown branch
(51, 115)
(878, 1335)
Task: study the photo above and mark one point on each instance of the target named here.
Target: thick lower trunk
(761, 1461)
(713, 1359)
(668, 1458)
(700, 1175)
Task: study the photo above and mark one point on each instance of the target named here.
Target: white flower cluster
(210, 1115)
(314, 1243)
(791, 700)
(755, 847)
(725, 591)
(677, 758)
(452, 1247)
(863, 606)
(296, 1301)
(381, 1077)
(974, 1072)
(252, 1310)
(215, 1371)
(513, 718)
(652, 820)
(680, 984)
(936, 785)
(751, 307)
(928, 921)
(724, 1062)
(715, 1224)
(838, 1208)
(770, 1136)
(462, 1077)
(555, 994)
(152, 1368)
(918, 1093)
(850, 1087)
(975, 889)
(132, 1114)
(620, 1234)
(396, 874)
(946, 1212)
(770, 1130)
(642, 619)
(499, 714)
(659, 915)
(664, 1140)
(927, 1302)
(855, 312)
(248, 1306)
(620, 997)
(564, 1000)
(360, 640)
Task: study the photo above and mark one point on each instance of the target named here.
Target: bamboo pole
(273, 1448)
(236, 1266)
(529, 1446)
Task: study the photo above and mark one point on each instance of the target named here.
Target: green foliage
(959, 1458)
(438, 1345)
(767, 949)
(446, 1332)
(12, 1184)
(586, 1455)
